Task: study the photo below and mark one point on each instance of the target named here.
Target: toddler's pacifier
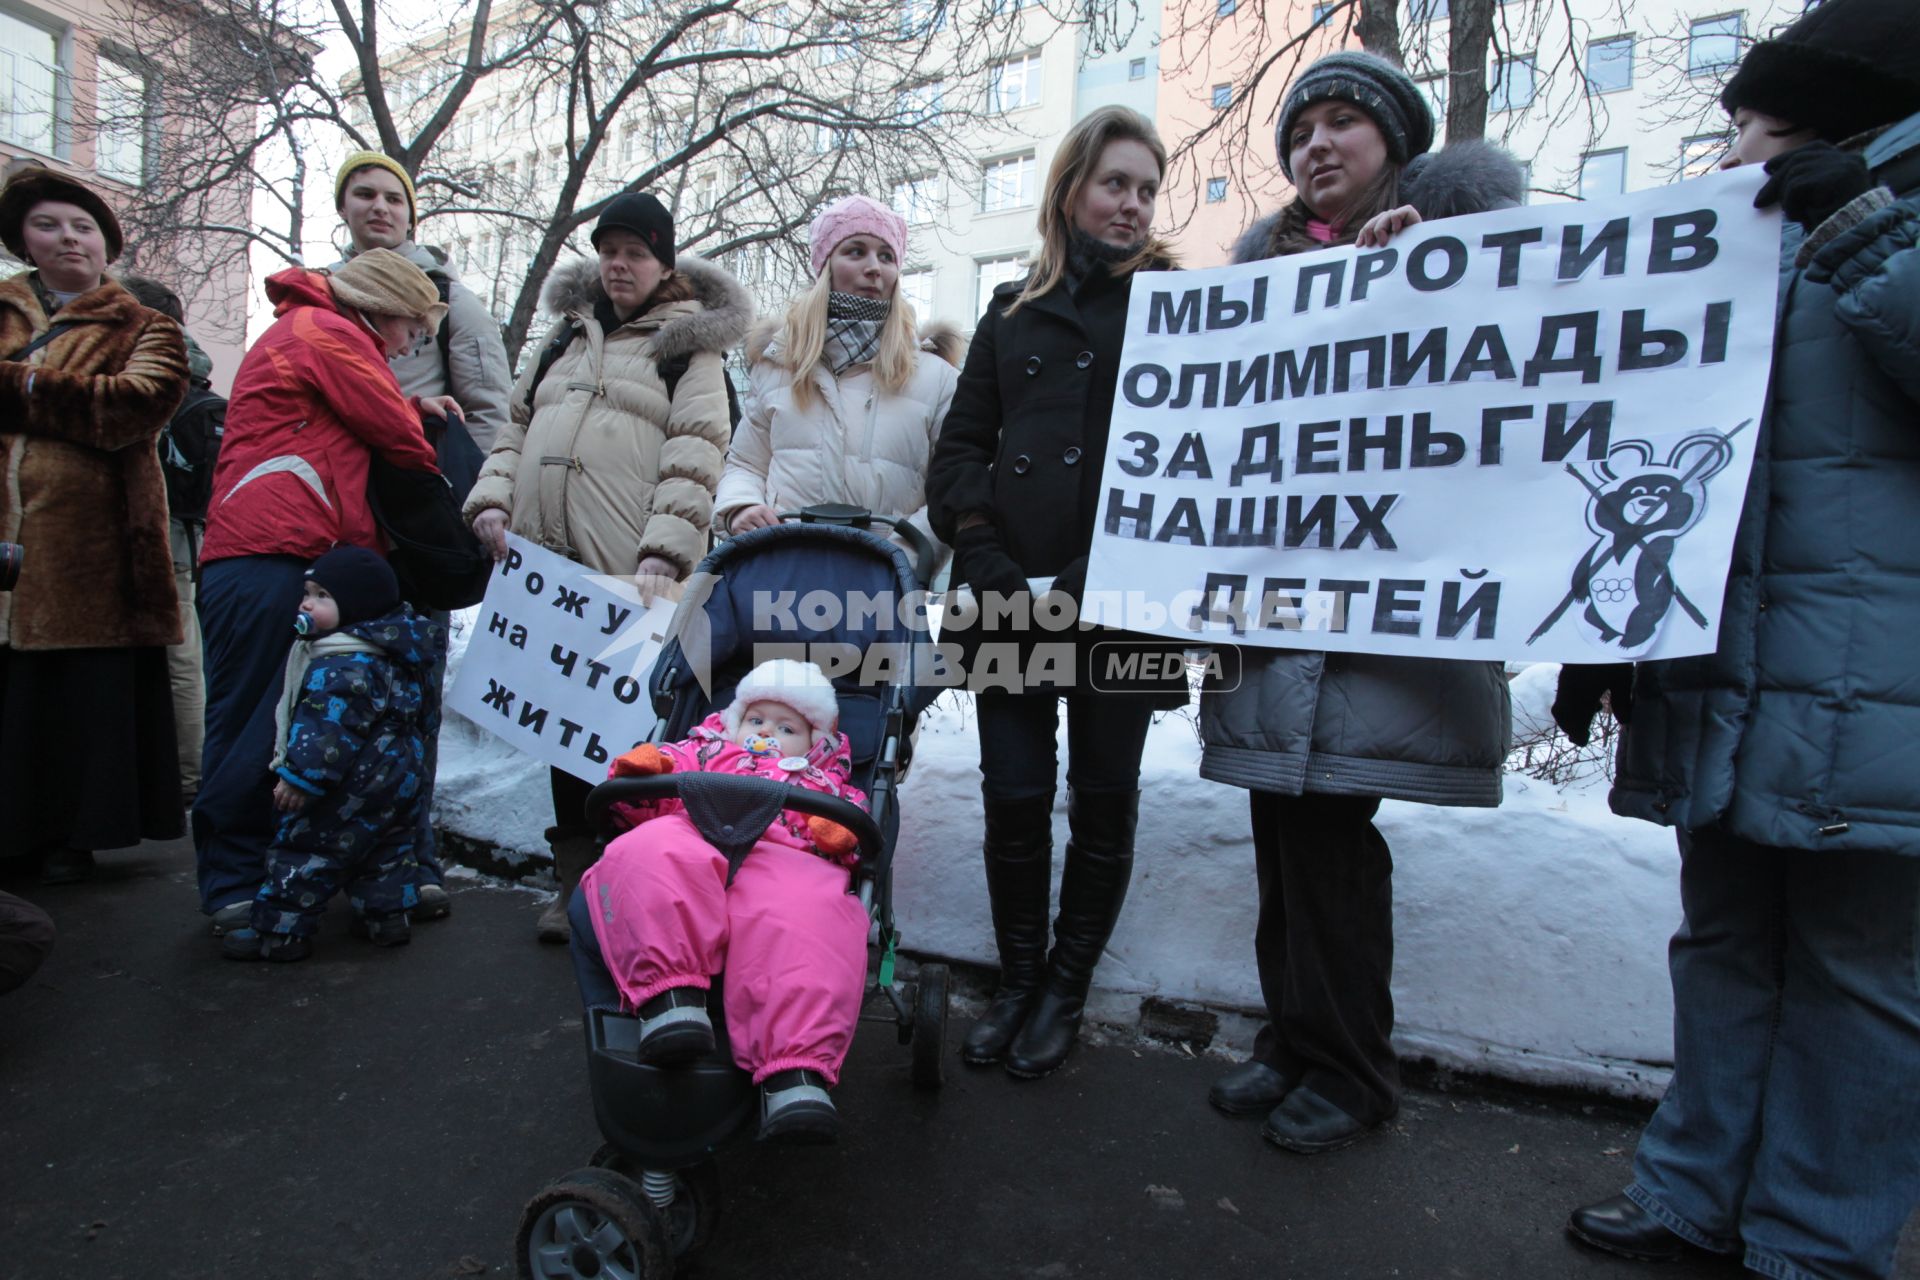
(760, 744)
(303, 624)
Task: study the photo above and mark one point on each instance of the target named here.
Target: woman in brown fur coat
(88, 377)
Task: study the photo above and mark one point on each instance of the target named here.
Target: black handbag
(435, 556)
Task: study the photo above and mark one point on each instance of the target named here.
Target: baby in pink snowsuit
(791, 938)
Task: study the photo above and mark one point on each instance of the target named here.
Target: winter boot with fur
(574, 850)
(1092, 889)
(1019, 855)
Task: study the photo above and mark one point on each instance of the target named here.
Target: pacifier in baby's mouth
(760, 744)
(303, 624)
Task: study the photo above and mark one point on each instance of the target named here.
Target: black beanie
(646, 217)
(1373, 84)
(1841, 69)
(360, 582)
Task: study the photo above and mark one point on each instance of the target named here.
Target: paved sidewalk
(166, 1113)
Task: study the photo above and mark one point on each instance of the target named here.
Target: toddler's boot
(395, 930)
(674, 1028)
(795, 1107)
(1092, 889)
(1019, 856)
(251, 944)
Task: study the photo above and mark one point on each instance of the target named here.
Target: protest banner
(1520, 435)
(559, 659)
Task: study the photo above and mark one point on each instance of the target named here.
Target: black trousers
(569, 799)
(1018, 731)
(1324, 945)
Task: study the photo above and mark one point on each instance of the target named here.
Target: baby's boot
(250, 944)
(395, 930)
(795, 1107)
(674, 1027)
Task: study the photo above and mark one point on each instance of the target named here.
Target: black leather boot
(1019, 854)
(1092, 889)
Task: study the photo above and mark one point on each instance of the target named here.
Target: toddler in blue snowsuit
(356, 710)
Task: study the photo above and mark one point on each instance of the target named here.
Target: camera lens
(9, 565)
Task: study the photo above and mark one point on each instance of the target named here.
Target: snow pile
(1530, 939)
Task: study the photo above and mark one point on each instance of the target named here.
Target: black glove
(1814, 182)
(983, 564)
(1577, 701)
(1071, 581)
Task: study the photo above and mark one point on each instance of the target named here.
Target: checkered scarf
(853, 330)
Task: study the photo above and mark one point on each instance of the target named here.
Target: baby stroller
(651, 1197)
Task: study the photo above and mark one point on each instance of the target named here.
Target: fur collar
(715, 321)
(109, 304)
(938, 338)
(1467, 177)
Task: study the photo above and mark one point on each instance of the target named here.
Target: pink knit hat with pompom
(854, 216)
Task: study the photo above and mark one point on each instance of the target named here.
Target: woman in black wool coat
(1319, 739)
(1014, 489)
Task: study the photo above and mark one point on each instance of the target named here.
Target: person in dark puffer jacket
(1320, 738)
(1786, 760)
(355, 713)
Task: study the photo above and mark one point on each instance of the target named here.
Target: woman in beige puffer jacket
(612, 459)
(845, 394)
(605, 465)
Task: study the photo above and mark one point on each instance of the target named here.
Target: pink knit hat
(854, 216)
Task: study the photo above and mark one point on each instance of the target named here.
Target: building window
(1222, 96)
(1426, 10)
(1702, 153)
(1225, 8)
(922, 103)
(836, 43)
(1006, 184)
(917, 199)
(830, 137)
(992, 273)
(1526, 182)
(917, 288)
(1513, 84)
(1015, 83)
(1216, 190)
(1603, 173)
(1713, 43)
(120, 141)
(921, 17)
(1610, 64)
(1137, 69)
(1322, 11)
(29, 83)
(629, 144)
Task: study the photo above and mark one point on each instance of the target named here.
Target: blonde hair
(1072, 166)
(803, 339)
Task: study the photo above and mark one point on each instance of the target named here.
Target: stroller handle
(666, 786)
(926, 557)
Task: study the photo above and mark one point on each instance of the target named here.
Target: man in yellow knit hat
(465, 359)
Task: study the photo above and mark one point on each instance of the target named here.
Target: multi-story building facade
(75, 96)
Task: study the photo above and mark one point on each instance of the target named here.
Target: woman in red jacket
(313, 402)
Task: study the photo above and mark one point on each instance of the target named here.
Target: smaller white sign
(559, 660)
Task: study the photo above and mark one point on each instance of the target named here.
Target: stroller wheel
(592, 1223)
(694, 1214)
(930, 1026)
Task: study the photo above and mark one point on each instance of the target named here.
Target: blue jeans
(1792, 1126)
(589, 966)
(247, 604)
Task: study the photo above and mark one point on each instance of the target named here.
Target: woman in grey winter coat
(1787, 759)
(1318, 739)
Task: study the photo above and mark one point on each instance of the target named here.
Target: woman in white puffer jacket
(845, 394)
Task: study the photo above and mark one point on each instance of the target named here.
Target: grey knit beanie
(1373, 84)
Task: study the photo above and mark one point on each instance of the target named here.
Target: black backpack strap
(555, 348)
(53, 331)
(445, 336)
